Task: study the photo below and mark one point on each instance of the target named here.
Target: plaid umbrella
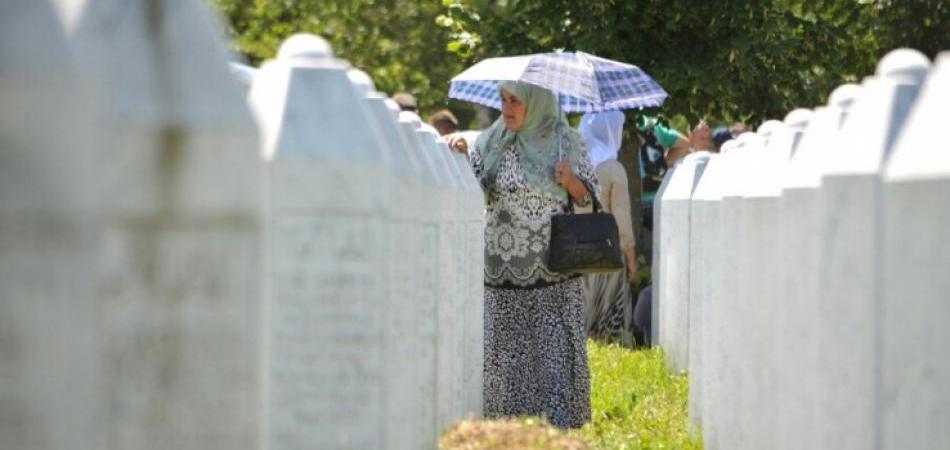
(583, 82)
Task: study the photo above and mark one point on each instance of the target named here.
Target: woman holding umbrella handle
(535, 335)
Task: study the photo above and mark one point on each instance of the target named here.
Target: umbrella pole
(560, 153)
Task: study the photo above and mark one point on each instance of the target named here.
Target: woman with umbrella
(531, 164)
(535, 354)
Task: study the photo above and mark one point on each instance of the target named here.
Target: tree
(397, 43)
(732, 59)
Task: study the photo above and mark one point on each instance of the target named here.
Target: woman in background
(608, 301)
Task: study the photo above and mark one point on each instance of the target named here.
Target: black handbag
(584, 243)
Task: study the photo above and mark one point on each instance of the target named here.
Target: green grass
(635, 403)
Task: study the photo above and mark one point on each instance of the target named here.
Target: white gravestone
(916, 255)
(48, 320)
(706, 268)
(426, 312)
(180, 266)
(656, 275)
(702, 263)
(472, 349)
(327, 237)
(401, 430)
(448, 321)
(798, 288)
(762, 276)
(849, 318)
(744, 308)
(673, 244)
(467, 250)
(736, 161)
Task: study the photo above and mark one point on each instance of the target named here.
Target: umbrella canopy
(583, 82)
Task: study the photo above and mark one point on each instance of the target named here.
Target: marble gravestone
(48, 317)
(448, 321)
(849, 319)
(761, 275)
(656, 275)
(915, 256)
(703, 263)
(472, 349)
(673, 262)
(748, 330)
(798, 289)
(179, 264)
(401, 312)
(328, 228)
(429, 272)
(706, 349)
(736, 162)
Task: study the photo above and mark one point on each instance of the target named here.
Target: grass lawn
(635, 403)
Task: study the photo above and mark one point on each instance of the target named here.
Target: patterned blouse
(518, 223)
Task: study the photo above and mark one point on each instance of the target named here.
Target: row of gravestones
(181, 267)
(802, 273)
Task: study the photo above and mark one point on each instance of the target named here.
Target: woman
(608, 301)
(535, 354)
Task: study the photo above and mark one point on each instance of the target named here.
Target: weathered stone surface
(733, 432)
(328, 229)
(705, 254)
(400, 313)
(672, 302)
(760, 275)
(798, 293)
(849, 319)
(916, 254)
(48, 313)
(179, 264)
(425, 376)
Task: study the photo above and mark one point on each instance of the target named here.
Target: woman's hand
(564, 175)
(456, 143)
(631, 261)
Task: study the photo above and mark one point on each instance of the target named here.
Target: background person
(608, 297)
(406, 102)
(535, 339)
(444, 121)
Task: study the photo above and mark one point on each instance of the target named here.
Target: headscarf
(602, 132)
(536, 141)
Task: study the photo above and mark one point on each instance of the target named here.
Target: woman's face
(513, 110)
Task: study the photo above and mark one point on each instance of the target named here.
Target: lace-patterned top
(518, 223)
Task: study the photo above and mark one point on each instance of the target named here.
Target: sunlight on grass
(635, 404)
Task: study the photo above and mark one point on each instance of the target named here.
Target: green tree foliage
(397, 42)
(731, 59)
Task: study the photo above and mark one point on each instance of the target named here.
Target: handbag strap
(593, 198)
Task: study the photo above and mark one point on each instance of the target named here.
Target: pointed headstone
(798, 290)
(328, 226)
(673, 263)
(180, 265)
(48, 313)
(915, 256)
(849, 319)
(760, 271)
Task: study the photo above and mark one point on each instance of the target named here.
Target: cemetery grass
(635, 405)
(635, 402)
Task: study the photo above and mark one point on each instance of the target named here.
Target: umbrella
(583, 82)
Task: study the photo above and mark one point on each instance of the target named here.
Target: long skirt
(535, 354)
(608, 307)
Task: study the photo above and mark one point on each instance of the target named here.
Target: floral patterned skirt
(535, 354)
